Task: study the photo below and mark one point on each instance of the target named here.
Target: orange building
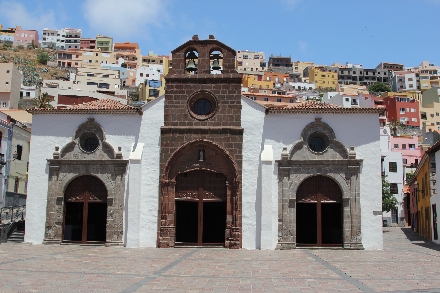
(130, 52)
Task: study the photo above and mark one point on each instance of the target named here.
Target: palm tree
(394, 126)
(42, 101)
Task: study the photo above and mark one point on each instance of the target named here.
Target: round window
(202, 105)
(88, 142)
(318, 142)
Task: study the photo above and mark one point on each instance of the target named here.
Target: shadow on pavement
(412, 236)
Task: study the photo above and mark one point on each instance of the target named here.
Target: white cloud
(124, 19)
(15, 13)
(291, 3)
(304, 47)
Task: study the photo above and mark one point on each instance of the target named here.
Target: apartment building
(87, 43)
(155, 59)
(256, 81)
(401, 81)
(96, 57)
(277, 78)
(105, 44)
(250, 61)
(106, 80)
(7, 34)
(10, 84)
(403, 109)
(130, 52)
(148, 72)
(70, 58)
(280, 64)
(26, 37)
(65, 38)
(299, 66)
(324, 77)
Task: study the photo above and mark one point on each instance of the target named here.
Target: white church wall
(252, 120)
(50, 130)
(152, 120)
(358, 130)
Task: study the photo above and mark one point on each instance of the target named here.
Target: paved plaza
(406, 264)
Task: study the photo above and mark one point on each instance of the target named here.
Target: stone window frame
(202, 94)
(337, 163)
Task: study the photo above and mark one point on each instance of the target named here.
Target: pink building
(23, 37)
(409, 147)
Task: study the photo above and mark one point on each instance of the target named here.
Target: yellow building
(323, 79)
(423, 182)
(250, 81)
(149, 90)
(352, 89)
(299, 66)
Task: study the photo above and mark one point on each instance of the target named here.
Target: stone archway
(213, 179)
(329, 159)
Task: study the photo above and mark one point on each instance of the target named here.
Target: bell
(216, 65)
(191, 66)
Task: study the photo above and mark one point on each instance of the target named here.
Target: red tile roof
(320, 107)
(104, 106)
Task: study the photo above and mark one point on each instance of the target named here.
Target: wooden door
(200, 208)
(85, 210)
(319, 212)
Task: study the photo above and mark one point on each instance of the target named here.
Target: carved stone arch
(345, 188)
(317, 126)
(179, 163)
(200, 155)
(74, 150)
(90, 126)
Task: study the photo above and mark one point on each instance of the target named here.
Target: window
(412, 146)
(393, 188)
(291, 101)
(7, 71)
(19, 151)
(7, 82)
(16, 183)
(266, 99)
(404, 161)
(278, 99)
(403, 146)
(347, 99)
(396, 146)
(413, 110)
(392, 167)
(432, 115)
(402, 110)
(28, 94)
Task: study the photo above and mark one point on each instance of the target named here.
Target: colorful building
(104, 43)
(248, 61)
(130, 53)
(323, 78)
(26, 37)
(403, 109)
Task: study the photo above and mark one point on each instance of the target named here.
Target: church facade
(205, 166)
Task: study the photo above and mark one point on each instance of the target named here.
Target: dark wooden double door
(319, 212)
(200, 208)
(85, 211)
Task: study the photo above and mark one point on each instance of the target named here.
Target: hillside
(26, 62)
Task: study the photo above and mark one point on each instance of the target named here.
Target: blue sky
(324, 31)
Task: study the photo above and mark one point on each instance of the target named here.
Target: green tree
(389, 201)
(409, 176)
(42, 101)
(42, 58)
(379, 87)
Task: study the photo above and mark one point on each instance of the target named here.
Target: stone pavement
(407, 264)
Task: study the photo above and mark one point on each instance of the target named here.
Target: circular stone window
(318, 142)
(202, 105)
(88, 142)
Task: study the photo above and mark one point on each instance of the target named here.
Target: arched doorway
(319, 212)
(200, 208)
(85, 210)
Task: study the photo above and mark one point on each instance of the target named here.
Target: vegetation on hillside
(32, 62)
(379, 87)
